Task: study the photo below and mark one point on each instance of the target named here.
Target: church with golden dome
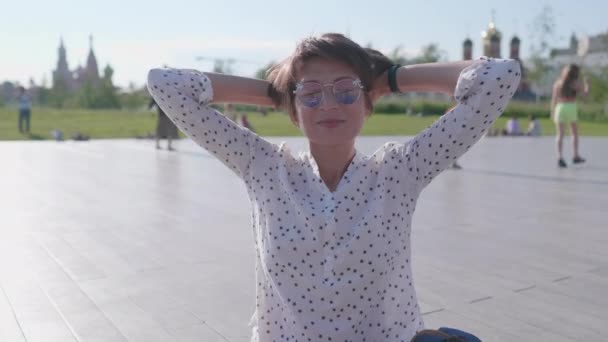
(491, 40)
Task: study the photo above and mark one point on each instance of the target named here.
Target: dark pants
(24, 115)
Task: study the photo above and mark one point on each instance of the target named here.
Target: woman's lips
(330, 123)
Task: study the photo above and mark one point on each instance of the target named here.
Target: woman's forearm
(430, 77)
(235, 89)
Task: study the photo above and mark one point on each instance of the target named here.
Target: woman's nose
(328, 100)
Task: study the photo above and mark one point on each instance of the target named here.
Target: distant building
(491, 38)
(73, 80)
(595, 58)
(491, 43)
(589, 52)
(467, 50)
(63, 77)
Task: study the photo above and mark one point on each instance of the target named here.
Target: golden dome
(491, 32)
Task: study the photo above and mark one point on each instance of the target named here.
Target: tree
(7, 91)
(99, 94)
(44, 95)
(398, 56)
(86, 96)
(59, 94)
(598, 86)
(542, 33)
(134, 98)
(261, 73)
(543, 30)
(430, 53)
(107, 92)
(223, 66)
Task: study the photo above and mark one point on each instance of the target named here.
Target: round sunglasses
(346, 91)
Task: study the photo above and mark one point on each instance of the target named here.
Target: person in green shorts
(564, 110)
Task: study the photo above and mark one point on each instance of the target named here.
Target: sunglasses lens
(346, 92)
(310, 94)
(311, 100)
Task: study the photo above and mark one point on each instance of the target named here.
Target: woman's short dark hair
(366, 63)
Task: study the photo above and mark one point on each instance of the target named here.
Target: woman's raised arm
(185, 95)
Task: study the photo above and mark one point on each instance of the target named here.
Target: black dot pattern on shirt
(335, 266)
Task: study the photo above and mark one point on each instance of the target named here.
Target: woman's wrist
(392, 79)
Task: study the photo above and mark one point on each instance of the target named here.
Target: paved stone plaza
(115, 241)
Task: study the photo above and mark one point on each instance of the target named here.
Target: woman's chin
(333, 139)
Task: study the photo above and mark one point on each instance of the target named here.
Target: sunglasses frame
(356, 82)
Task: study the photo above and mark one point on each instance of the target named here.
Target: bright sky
(134, 36)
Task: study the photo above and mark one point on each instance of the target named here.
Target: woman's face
(333, 119)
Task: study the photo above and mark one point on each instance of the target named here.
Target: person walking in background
(230, 111)
(164, 127)
(25, 110)
(564, 111)
(245, 122)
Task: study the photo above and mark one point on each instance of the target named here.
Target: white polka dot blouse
(336, 266)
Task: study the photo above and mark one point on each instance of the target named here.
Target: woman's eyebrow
(343, 77)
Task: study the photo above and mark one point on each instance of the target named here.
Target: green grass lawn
(128, 124)
(94, 123)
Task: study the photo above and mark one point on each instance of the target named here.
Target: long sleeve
(482, 92)
(184, 96)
